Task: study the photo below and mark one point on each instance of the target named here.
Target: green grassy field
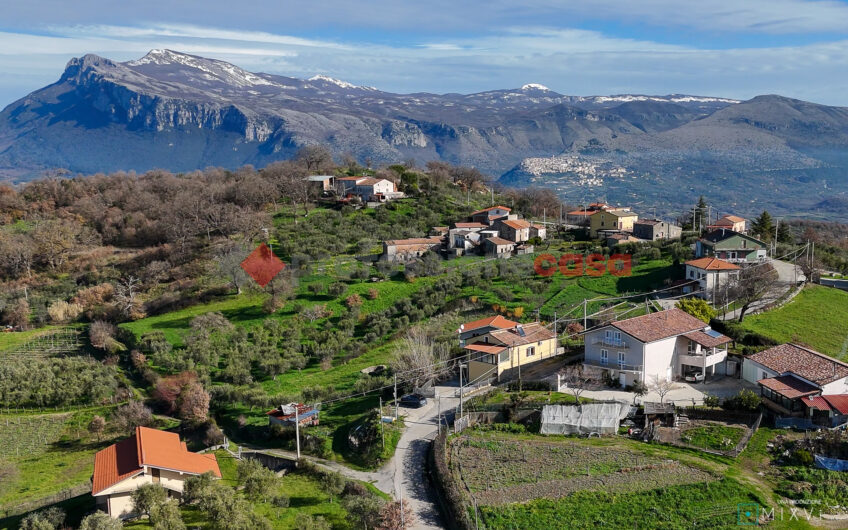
(816, 317)
(12, 340)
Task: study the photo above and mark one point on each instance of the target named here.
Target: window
(531, 351)
(604, 356)
(621, 359)
(693, 348)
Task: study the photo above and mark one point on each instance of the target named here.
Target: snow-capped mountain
(181, 112)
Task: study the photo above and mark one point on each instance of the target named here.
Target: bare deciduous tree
(228, 259)
(662, 387)
(126, 297)
(810, 267)
(578, 378)
(420, 357)
(751, 285)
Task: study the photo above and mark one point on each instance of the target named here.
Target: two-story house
(731, 246)
(370, 189)
(613, 220)
(515, 230)
(488, 215)
(710, 275)
(501, 353)
(729, 222)
(149, 456)
(655, 230)
(788, 373)
(665, 345)
(481, 327)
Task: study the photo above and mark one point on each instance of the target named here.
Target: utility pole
(382, 433)
(395, 395)
(297, 428)
(460, 390)
(520, 388)
(544, 216)
(584, 314)
(556, 334)
(439, 414)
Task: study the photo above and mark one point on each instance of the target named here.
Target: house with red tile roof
(149, 456)
(710, 277)
(515, 230)
(787, 373)
(483, 326)
(369, 189)
(503, 350)
(488, 215)
(828, 411)
(666, 345)
(405, 250)
(730, 222)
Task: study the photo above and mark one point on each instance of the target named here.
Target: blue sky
(797, 48)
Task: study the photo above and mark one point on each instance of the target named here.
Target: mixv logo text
(753, 514)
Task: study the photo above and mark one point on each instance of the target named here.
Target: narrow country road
(405, 475)
(787, 278)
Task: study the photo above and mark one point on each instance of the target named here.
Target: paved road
(410, 460)
(787, 278)
(404, 476)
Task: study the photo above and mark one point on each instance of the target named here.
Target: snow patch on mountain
(338, 82)
(535, 86)
(213, 69)
(627, 98)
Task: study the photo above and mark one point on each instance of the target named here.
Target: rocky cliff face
(182, 112)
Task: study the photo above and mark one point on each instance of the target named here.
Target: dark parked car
(413, 401)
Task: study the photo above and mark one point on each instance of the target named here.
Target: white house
(370, 189)
(788, 373)
(149, 456)
(711, 274)
(664, 345)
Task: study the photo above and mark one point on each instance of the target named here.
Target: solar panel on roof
(713, 333)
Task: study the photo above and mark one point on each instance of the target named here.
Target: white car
(695, 377)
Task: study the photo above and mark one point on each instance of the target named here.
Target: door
(622, 379)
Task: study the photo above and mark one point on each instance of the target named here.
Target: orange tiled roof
(517, 224)
(484, 210)
(485, 348)
(712, 264)
(469, 225)
(532, 332)
(499, 241)
(706, 340)
(496, 321)
(147, 447)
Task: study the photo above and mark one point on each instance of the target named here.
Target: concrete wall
(659, 357)
(839, 386)
(752, 371)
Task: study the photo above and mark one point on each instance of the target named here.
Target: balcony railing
(612, 343)
(614, 365)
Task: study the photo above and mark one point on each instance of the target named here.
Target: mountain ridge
(182, 112)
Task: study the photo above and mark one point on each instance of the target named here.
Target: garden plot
(710, 435)
(500, 471)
